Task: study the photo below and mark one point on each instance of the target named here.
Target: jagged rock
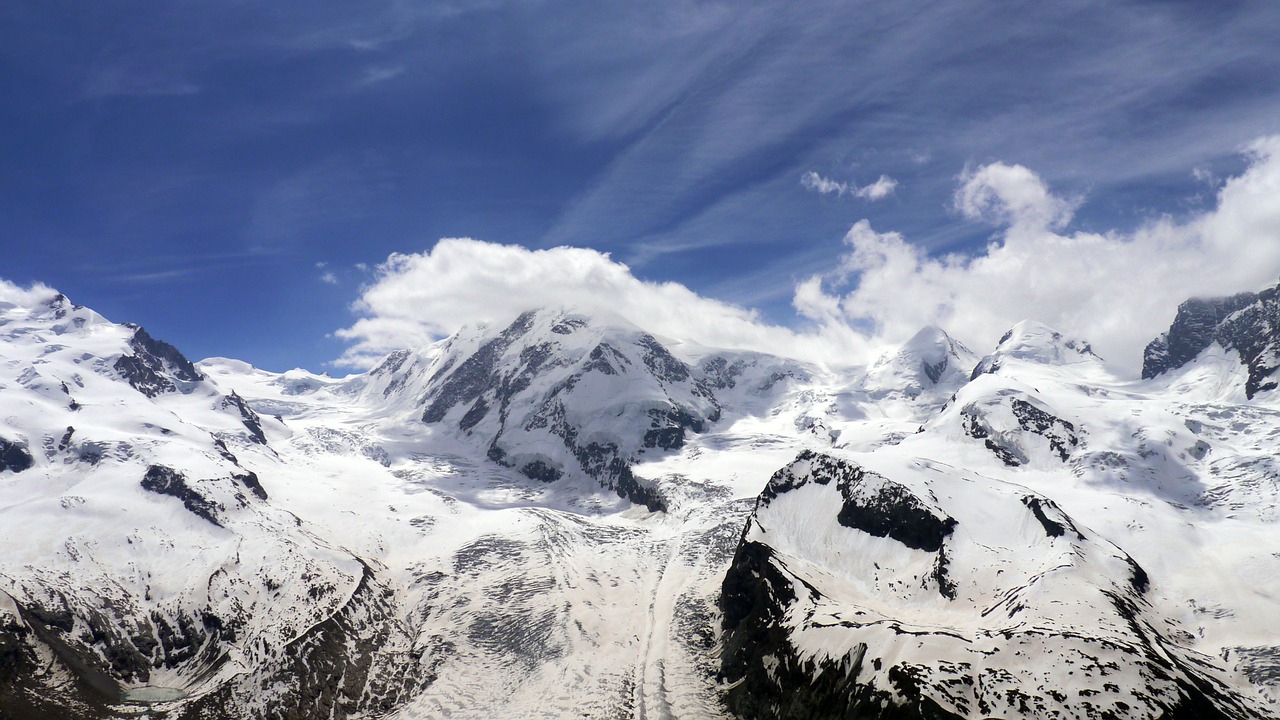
(14, 456)
(251, 421)
(1006, 426)
(1248, 323)
(930, 362)
(154, 365)
(250, 480)
(167, 481)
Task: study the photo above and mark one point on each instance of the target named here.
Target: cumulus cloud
(12, 294)
(878, 190)
(419, 297)
(1000, 193)
(1117, 290)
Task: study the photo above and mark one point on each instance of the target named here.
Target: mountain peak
(1036, 342)
(1248, 323)
(560, 393)
(930, 358)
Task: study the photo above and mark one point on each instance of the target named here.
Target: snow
(511, 594)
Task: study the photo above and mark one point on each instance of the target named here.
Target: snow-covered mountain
(140, 546)
(566, 515)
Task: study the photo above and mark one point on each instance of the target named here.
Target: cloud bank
(1117, 290)
(417, 298)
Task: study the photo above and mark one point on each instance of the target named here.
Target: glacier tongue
(444, 534)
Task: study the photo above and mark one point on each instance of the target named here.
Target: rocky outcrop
(354, 663)
(155, 365)
(1012, 427)
(1248, 323)
(248, 417)
(167, 481)
(14, 456)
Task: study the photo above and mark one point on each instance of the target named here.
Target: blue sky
(199, 167)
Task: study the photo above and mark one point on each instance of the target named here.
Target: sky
(313, 184)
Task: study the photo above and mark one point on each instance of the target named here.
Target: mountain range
(567, 515)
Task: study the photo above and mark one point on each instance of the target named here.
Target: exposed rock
(14, 456)
(167, 481)
(1004, 423)
(354, 663)
(1248, 323)
(804, 638)
(250, 480)
(154, 365)
(251, 421)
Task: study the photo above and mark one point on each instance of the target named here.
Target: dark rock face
(339, 668)
(14, 456)
(667, 428)
(893, 511)
(541, 471)
(934, 371)
(154, 365)
(167, 481)
(1055, 526)
(250, 480)
(1060, 433)
(871, 504)
(251, 421)
(1248, 323)
(476, 373)
(392, 366)
(975, 428)
(718, 373)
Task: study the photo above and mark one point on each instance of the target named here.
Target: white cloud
(13, 294)
(329, 278)
(1011, 194)
(878, 190)
(1116, 290)
(813, 181)
(417, 298)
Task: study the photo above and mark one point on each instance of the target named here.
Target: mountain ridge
(289, 545)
